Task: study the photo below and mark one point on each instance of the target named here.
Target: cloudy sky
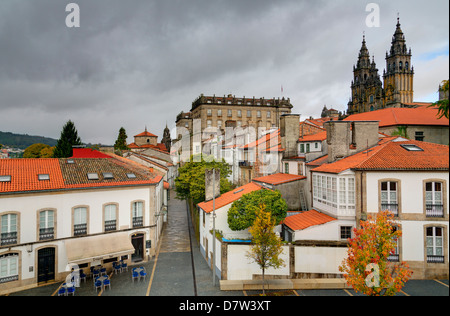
(139, 63)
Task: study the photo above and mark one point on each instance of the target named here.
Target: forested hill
(23, 141)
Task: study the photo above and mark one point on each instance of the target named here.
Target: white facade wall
(319, 259)
(28, 206)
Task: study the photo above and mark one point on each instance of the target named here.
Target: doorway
(137, 240)
(46, 265)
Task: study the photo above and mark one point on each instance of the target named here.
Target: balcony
(8, 239)
(46, 233)
(434, 210)
(435, 259)
(80, 229)
(138, 221)
(110, 225)
(247, 164)
(391, 207)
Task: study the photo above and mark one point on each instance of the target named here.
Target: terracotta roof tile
(389, 154)
(307, 219)
(422, 115)
(279, 178)
(229, 197)
(88, 153)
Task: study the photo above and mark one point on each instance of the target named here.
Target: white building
(55, 213)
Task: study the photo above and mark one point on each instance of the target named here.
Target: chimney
(346, 138)
(211, 180)
(289, 133)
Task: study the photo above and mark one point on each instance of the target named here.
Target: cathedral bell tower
(367, 90)
(399, 74)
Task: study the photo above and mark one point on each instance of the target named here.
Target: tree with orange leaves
(367, 268)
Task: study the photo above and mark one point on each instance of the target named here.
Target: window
(302, 148)
(110, 217)
(307, 148)
(137, 215)
(258, 114)
(219, 124)
(268, 114)
(351, 191)
(286, 167)
(395, 256)
(389, 199)
(219, 112)
(46, 225)
(433, 199)
(239, 113)
(411, 147)
(209, 112)
(346, 232)
(435, 242)
(249, 113)
(92, 176)
(80, 221)
(371, 99)
(342, 195)
(5, 178)
(108, 175)
(8, 229)
(9, 270)
(419, 136)
(131, 176)
(42, 177)
(230, 113)
(208, 123)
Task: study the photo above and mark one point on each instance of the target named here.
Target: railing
(435, 259)
(79, 229)
(391, 207)
(434, 210)
(245, 164)
(138, 221)
(110, 225)
(8, 238)
(46, 233)
(393, 258)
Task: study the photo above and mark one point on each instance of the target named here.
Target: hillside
(23, 140)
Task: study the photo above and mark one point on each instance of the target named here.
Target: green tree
(242, 212)
(266, 246)
(367, 268)
(38, 151)
(191, 180)
(401, 131)
(121, 142)
(442, 104)
(69, 137)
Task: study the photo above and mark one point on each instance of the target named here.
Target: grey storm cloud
(136, 63)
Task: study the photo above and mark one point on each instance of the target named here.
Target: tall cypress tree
(69, 137)
(121, 142)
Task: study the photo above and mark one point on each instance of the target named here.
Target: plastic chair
(95, 274)
(117, 268)
(135, 275)
(62, 291)
(71, 290)
(124, 266)
(98, 285)
(103, 271)
(82, 275)
(143, 274)
(106, 283)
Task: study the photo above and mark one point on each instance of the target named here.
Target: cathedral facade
(369, 92)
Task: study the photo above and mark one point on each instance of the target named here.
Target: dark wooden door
(46, 264)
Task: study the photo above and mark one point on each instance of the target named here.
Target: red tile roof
(63, 175)
(307, 219)
(147, 134)
(88, 153)
(229, 197)
(389, 154)
(24, 174)
(321, 136)
(279, 178)
(422, 115)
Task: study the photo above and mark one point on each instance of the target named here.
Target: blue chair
(117, 268)
(103, 271)
(124, 266)
(95, 274)
(98, 285)
(143, 274)
(62, 291)
(106, 283)
(135, 275)
(82, 275)
(71, 290)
